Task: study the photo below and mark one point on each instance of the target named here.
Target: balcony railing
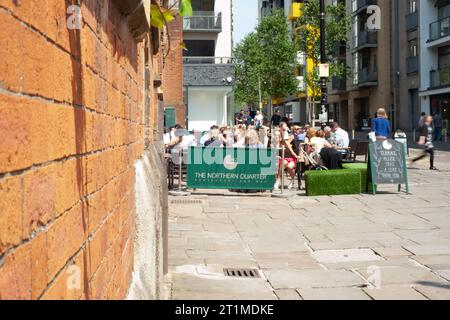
(208, 60)
(412, 64)
(440, 78)
(338, 84)
(367, 78)
(366, 38)
(440, 29)
(412, 21)
(208, 71)
(203, 21)
(363, 3)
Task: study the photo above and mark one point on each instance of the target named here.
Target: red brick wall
(70, 132)
(173, 71)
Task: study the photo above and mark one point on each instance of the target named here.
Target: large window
(199, 48)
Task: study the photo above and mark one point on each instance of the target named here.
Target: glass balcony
(440, 29)
(412, 21)
(203, 21)
(338, 84)
(412, 64)
(366, 78)
(366, 38)
(362, 4)
(440, 78)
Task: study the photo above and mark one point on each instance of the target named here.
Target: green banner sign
(231, 168)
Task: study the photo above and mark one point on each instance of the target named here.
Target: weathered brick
(15, 275)
(71, 282)
(65, 237)
(39, 278)
(11, 53)
(39, 198)
(10, 212)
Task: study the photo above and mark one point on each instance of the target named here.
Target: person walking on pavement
(426, 139)
(438, 124)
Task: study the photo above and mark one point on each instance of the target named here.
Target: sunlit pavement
(389, 246)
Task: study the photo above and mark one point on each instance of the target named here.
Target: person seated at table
(215, 139)
(206, 136)
(252, 140)
(331, 158)
(318, 141)
(290, 157)
(340, 139)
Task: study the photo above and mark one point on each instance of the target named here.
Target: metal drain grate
(193, 201)
(241, 273)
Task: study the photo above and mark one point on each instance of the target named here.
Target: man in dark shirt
(276, 119)
(426, 139)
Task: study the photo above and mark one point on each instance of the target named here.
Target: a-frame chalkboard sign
(387, 165)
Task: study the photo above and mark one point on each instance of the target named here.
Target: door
(169, 117)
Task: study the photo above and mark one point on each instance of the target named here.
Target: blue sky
(245, 18)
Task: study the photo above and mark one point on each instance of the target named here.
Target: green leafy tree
(265, 62)
(337, 28)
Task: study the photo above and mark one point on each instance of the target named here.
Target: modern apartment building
(207, 64)
(434, 56)
(294, 106)
(354, 100)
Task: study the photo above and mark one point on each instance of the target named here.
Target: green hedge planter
(333, 182)
(362, 168)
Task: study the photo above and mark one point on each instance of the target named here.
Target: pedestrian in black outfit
(426, 139)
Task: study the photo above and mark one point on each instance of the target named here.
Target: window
(199, 48)
(412, 6)
(412, 48)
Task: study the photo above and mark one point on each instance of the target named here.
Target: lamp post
(323, 59)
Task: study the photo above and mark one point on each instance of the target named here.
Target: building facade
(207, 64)
(434, 56)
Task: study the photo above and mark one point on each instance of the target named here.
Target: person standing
(276, 119)
(381, 125)
(438, 124)
(426, 139)
(421, 120)
(259, 119)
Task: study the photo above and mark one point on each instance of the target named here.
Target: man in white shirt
(340, 138)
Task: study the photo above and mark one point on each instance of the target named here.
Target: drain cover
(241, 273)
(192, 201)
(347, 255)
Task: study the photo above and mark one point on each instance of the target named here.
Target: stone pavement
(389, 246)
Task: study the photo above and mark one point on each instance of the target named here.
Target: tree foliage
(266, 57)
(337, 28)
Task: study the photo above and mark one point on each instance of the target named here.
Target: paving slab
(287, 294)
(333, 294)
(296, 279)
(395, 293)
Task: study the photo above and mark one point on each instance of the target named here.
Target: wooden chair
(362, 149)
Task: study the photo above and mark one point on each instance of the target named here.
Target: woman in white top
(318, 141)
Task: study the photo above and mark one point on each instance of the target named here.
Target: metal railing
(208, 60)
(412, 20)
(364, 3)
(338, 84)
(440, 77)
(203, 21)
(364, 76)
(439, 29)
(412, 64)
(366, 37)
